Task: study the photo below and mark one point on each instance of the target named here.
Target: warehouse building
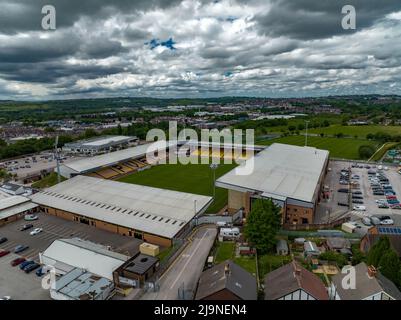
(67, 254)
(291, 176)
(99, 145)
(15, 207)
(150, 214)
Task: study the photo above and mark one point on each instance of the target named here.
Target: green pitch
(192, 178)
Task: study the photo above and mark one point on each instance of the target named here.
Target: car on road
(36, 231)
(17, 261)
(375, 221)
(31, 217)
(31, 267)
(20, 248)
(3, 239)
(359, 208)
(366, 221)
(26, 227)
(4, 253)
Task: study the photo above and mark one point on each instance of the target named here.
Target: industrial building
(150, 214)
(291, 176)
(67, 254)
(15, 207)
(99, 145)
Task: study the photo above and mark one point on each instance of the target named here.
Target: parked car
(357, 201)
(357, 197)
(20, 248)
(342, 204)
(36, 231)
(343, 190)
(3, 239)
(31, 267)
(375, 221)
(386, 220)
(26, 227)
(17, 261)
(382, 206)
(41, 271)
(4, 253)
(357, 192)
(359, 208)
(23, 265)
(30, 217)
(366, 221)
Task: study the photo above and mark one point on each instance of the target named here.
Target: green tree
(390, 266)
(262, 225)
(377, 251)
(365, 152)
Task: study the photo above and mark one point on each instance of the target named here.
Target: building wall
(124, 231)
(9, 219)
(238, 200)
(296, 214)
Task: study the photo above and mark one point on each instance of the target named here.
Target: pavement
(184, 273)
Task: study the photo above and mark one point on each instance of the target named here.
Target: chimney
(372, 271)
(227, 269)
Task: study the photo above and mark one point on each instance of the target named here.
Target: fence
(318, 226)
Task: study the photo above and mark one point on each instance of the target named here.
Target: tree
(377, 251)
(365, 152)
(301, 127)
(390, 266)
(291, 128)
(262, 225)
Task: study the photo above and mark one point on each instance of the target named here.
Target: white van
(229, 232)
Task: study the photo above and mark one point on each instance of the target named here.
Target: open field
(360, 131)
(192, 178)
(339, 147)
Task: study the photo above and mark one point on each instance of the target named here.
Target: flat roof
(141, 264)
(12, 201)
(105, 140)
(109, 159)
(281, 170)
(84, 254)
(152, 210)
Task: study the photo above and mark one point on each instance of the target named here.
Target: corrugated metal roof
(12, 201)
(5, 213)
(157, 211)
(281, 170)
(108, 159)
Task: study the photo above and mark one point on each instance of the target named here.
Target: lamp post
(214, 166)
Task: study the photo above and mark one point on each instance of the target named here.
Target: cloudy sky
(198, 48)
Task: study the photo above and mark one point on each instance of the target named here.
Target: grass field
(360, 131)
(192, 178)
(345, 148)
(47, 181)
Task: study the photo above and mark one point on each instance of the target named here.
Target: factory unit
(15, 207)
(151, 214)
(291, 176)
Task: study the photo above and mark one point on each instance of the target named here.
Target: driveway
(184, 273)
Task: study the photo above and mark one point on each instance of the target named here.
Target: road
(187, 268)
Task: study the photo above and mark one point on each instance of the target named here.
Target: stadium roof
(112, 158)
(99, 141)
(282, 171)
(84, 254)
(156, 211)
(13, 205)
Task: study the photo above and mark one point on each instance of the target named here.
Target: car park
(4, 253)
(342, 204)
(359, 208)
(357, 201)
(17, 261)
(343, 190)
(3, 239)
(36, 231)
(357, 192)
(20, 248)
(357, 197)
(386, 220)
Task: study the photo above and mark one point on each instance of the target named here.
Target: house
(370, 284)
(282, 247)
(338, 244)
(294, 282)
(226, 281)
(375, 233)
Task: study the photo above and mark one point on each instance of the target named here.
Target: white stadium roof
(109, 159)
(281, 171)
(156, 211)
